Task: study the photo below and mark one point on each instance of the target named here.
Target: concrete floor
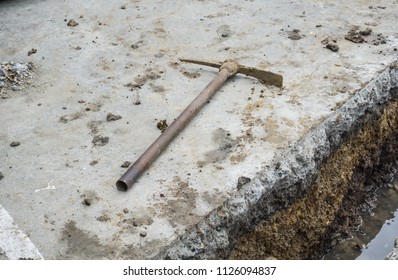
(59, 186)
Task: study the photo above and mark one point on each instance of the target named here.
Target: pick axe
(227, 69)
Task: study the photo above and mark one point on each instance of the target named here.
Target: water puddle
(375, 238)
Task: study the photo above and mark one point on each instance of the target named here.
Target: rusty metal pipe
(131, 175)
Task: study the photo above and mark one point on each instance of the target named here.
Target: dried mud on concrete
(95, 82)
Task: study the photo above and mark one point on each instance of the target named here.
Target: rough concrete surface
(120, 58)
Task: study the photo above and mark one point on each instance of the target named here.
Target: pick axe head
(264, 76)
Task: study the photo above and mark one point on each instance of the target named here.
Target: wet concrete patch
(225, 144)
(175, 203)
(82, 244)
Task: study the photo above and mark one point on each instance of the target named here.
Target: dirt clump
(111, 117)
(162, 125)
(32, 51)
(355, 35)
(87, 201)
(125, 164)
(72, 23)
(333, 47)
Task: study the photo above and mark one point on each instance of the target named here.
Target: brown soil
(333, 47)
(162, 125)
(328, 212)
(111, 117)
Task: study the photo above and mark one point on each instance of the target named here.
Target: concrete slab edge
(14, 243)
(284, 180)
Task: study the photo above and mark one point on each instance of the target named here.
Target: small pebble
(72, 23)
(87, 201)
(332, 47)
(32, 51)
(15, 144)
(125, 164)
(111, 117)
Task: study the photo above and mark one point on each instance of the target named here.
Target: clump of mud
(162, 125)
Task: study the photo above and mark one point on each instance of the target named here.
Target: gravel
(14, 76)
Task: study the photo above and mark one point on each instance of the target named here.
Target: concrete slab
(121, 58)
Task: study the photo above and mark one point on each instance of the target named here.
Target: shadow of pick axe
(228, 69)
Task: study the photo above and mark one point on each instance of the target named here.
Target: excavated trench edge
(288, 210)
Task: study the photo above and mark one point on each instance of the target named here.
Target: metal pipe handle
(132, 174)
